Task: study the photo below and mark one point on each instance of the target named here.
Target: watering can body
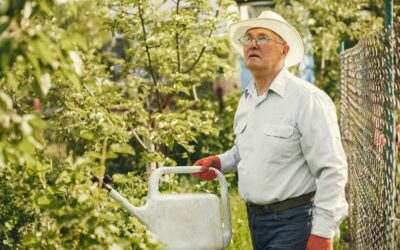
(184, 221)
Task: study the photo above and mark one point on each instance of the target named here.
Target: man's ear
(285, 49)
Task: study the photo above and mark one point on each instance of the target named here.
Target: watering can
(183, 221)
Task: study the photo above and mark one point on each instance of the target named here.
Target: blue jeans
(284, 230)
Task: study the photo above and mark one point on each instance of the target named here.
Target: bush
(67, 113)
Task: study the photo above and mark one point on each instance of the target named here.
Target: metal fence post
(390, 176)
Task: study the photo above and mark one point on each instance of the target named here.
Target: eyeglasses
(246, 40)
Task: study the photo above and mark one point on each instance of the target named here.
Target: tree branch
(112, 7)
(149, 56)
(194, 93)
(190, 106)
(167, 100)
(139, 140)
(204, 48)
(177, 41)
(178, 57)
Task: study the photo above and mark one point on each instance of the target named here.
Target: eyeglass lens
(246, 40)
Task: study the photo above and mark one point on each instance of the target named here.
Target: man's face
(264, 56)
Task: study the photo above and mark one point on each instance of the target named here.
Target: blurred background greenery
(98, 87)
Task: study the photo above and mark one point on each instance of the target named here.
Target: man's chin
(253, 65)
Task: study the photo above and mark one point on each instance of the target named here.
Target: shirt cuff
(227, 162)
(323, 227)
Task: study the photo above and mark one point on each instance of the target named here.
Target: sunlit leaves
(46, 187)
(26, 37)
(77, 103)
(172, 50)
(324, 24)
(122, 149)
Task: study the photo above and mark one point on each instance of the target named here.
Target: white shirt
(287, 143)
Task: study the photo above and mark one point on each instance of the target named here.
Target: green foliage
(342, 241)
(32, 43)
(71, 107)
(106, 86)
(170, 53)
(241, 238)
(54, 205)
(20, 135)
(218, 143)
(323, 24)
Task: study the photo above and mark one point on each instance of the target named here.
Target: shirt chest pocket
(281, 140)
(279, 131)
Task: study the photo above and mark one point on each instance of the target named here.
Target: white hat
(272, 21)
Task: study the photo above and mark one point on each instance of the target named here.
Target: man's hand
(206, 163)
(316, 242)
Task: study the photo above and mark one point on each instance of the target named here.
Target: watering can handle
(154, 190)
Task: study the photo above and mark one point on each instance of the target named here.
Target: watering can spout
(138, 212)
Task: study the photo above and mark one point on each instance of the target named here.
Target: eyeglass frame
(257, 42)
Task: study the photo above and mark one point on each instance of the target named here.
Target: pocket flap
(283, 131)
(239, 128)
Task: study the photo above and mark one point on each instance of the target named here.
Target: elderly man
(291, 165)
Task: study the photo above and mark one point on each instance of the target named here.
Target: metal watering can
(183, 221)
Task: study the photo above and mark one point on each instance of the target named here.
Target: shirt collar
(251, 88)
(278, 85)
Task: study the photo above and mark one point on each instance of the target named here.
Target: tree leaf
(4, 23)
(45, 83)
(48, 201)
(8, 104)
(122, 148)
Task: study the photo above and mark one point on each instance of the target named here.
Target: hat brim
(283, 29)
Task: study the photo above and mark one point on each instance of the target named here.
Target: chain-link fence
(370, 103)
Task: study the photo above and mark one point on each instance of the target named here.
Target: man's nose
(253, 42)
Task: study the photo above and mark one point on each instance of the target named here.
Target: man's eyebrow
(260, 34)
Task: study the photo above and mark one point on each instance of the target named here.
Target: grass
(241, 238)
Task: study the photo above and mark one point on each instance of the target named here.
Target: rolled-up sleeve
(323, 151)
(230, 159)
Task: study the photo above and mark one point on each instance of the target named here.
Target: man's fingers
(201, 175)
(196, 175)
(204, 168)
(211, 176)
(198, 162)
(204, 175)
(208, 175)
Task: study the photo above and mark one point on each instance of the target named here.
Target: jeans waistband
(282, 205)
